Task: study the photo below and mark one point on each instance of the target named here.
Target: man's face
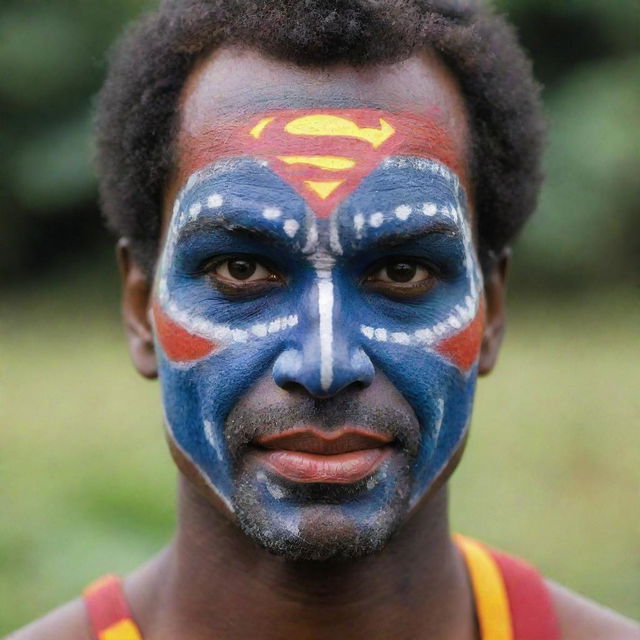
(318, 306)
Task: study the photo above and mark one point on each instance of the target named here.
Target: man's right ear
(136, 304)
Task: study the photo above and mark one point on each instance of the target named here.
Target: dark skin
(212, 581)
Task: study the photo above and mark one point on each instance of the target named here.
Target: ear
(136, 300)
(495, 289)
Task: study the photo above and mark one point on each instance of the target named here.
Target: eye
(242, 270)
(402, 271)
(401, 278)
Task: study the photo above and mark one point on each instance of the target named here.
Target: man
(315, 202)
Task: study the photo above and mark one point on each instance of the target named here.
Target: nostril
(294, 387)
(360, 385)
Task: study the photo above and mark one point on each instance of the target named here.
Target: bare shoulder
(583, 619)
(68, 621)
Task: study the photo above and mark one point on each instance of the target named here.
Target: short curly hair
(137, 108)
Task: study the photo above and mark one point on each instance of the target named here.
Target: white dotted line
(461, 316)
(380, 335)
(194, 210)
(215, 201)
(221, 333)
(429, 209)
(291, 227)
(403, 212)
(271, 213)
(376, 219)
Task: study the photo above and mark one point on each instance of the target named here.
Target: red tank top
(511, 600)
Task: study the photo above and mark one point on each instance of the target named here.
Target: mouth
(310, 455)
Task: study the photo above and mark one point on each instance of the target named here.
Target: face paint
(321, 197)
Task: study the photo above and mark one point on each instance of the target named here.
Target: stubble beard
(322, 522)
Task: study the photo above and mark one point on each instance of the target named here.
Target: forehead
(233, 86)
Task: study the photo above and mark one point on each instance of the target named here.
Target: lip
(307, 454)
(327, 443)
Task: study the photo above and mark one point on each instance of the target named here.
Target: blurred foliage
(585, 52)
(587, 55)
(52, 61)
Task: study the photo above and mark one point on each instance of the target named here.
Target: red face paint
(178, 344)
(462, 348)
(324, 153)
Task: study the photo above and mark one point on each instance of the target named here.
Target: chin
(323, 521)
(320, 533)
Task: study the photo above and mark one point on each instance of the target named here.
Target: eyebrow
(390, 240)
(210, 225)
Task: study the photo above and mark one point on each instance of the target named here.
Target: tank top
(511, 599)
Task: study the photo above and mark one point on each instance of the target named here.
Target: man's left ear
(495, 290)
(136, 298)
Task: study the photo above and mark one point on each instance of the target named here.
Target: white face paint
(325, 314)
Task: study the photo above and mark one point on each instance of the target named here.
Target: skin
(212, 581)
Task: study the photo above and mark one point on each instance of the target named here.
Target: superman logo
(323, 155)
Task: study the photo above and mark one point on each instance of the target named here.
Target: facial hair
(321, 521)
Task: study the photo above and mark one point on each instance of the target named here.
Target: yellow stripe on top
(325, 124)
(492, 603)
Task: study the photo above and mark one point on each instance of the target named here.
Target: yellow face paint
(323, 188)
(330, 125)
(329, 163)
(256, 132)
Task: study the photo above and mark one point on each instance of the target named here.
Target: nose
(324, 358)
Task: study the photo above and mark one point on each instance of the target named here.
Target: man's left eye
(401, 272)
(242, 270)
(401, 278)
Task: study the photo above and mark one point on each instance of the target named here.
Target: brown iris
(401, 278)
(240, 269)
(401, 271)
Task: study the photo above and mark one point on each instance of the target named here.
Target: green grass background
(552, 470)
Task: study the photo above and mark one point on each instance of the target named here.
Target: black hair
(138, 105)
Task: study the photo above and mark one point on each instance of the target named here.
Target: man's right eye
(240, 270)
(241, 275)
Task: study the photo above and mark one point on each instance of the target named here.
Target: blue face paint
(322, 326)
(413, 207)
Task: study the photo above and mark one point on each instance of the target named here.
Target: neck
(213, 582)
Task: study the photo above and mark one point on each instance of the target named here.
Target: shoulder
(583, 619)
(68, 621)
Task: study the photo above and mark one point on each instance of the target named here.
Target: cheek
(440, 393)
(463, 348)
(198, 396)
(178, 344)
